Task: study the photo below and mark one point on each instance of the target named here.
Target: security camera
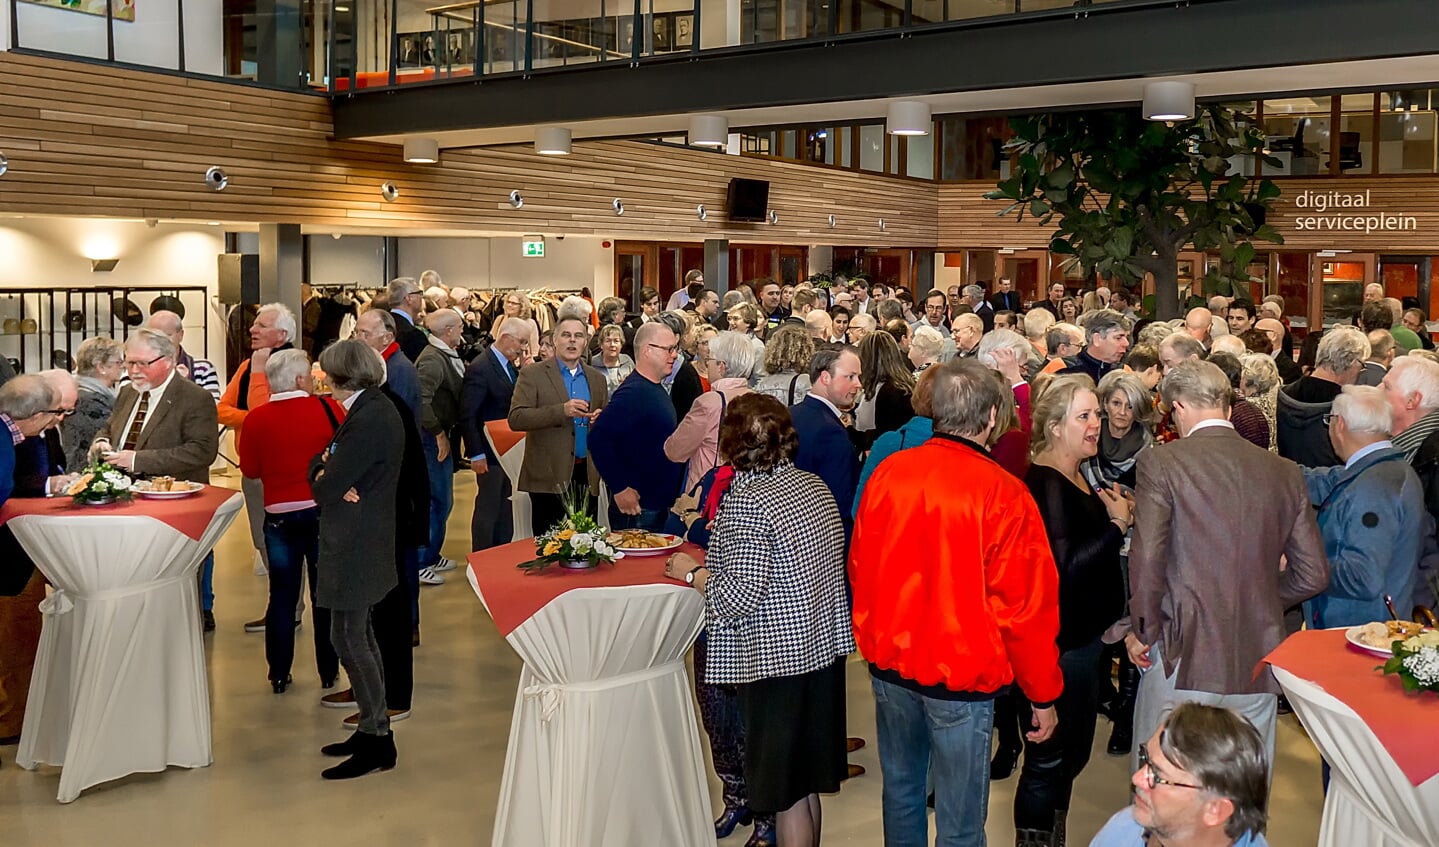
(216, 179)
(390, 192)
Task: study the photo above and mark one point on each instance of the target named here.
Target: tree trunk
(1166, 283)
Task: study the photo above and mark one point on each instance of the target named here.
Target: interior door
(636, 265)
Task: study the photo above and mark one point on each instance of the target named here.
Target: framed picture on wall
(684, 23)
(625, 28)
(660, 28)
(409, 50)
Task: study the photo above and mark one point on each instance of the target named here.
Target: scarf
(1118, 455)
(389, 351)
(243, 401)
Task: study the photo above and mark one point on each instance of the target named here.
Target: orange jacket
(954, 583)
(229, 410)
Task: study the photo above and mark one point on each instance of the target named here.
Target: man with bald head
(627, 440)
(1289, 371)
(199, 371)
(442, 374)
(1199, 323)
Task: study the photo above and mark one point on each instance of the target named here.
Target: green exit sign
(533, 246)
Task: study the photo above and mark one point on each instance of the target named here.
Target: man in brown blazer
(1224, 541)
(162, 425)
(555, 402)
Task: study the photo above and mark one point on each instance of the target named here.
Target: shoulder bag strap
(793, 381)
(329, 413)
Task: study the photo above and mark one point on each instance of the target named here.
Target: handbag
(690, 516)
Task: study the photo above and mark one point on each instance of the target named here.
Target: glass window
(871, 148)
(896, 143)
(818, 146)
(760, 143)
(1407, 131)
(788, 144)
(844, 140)
(1356, 134)
(971, 148)
(919, 161)
(1296, 132)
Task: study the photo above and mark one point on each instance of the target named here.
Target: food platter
(177, 490)
(640, 543)
(1367, 637)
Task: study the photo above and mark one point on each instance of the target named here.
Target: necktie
(510, 369)
(141, 409)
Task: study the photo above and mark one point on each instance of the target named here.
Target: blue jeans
(207, 582)
(917, 733)
(653, 520)
(292, 543)
(442, 499)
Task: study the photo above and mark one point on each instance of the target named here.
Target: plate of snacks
(166, 488)
(1379, 637)
(639, 542)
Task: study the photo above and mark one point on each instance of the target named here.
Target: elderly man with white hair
(965, 332)
(442, 374)
(925, 348)
(1303, 437)
(1371, 513)
(199, 371)
(973, 296)
(1412, 388)
(274, 329)
(1036, 329)
(819, 325)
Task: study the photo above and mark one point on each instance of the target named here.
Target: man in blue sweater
(626, 442)
(824, 446)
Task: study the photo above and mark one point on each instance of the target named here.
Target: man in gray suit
(161, 426)
(1224, 541)
(442, 375)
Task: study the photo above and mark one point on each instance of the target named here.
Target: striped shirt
(1410, 439)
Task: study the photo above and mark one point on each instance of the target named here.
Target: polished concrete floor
(264, 788)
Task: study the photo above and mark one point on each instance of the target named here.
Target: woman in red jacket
(281, 437)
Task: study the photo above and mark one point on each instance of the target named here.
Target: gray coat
(356, 568)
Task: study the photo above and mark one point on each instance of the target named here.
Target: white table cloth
(604, 747)
(119, 684)
(1370, 802)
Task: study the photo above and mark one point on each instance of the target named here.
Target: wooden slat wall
(966, 219)
(87, 139)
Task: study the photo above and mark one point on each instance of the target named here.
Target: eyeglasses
(1155, 780)
(60, 413)
(670, 349)
(133, 364)
(1327, 419)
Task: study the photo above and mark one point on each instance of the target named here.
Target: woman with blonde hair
(924, 348)
(1086, 528)
(616, 365)
(516, 305)
(747, 319)
(1259, 383)
(786, 365)
(888, 384)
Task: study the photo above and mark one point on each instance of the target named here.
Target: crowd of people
(1011, 514)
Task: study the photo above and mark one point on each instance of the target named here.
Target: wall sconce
(103, 265)
(552, 141)
(881, 224)
(1169, 101)
(422, 151)
(773, 217)
(4, 164)
(907, 117)
(833, 221)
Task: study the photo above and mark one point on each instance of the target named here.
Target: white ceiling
(1408, 72)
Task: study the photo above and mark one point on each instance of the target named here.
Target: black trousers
(546, 510)
(493, 521)
(394, 621)
(1046, 779)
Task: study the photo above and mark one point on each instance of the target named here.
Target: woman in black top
(1086, 528)
(888, 386)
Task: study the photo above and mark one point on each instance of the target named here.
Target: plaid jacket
(775, 603)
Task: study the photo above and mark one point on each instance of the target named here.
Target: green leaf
(1038, 208)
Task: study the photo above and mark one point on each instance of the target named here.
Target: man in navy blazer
(825, 449)
(489, 386)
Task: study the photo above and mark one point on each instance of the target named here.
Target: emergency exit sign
(533, 246)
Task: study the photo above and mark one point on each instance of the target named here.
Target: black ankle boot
(1061, 817)
(373, 753)
(1033, 838)
(343, 748)
(1121, 738)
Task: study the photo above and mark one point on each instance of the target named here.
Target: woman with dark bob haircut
(775, 610)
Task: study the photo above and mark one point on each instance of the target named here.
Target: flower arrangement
(1416, 661)
(577, 541)
(99, 484)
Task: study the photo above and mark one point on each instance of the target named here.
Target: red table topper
(1407, 725)
(190, 515)
(513, 595)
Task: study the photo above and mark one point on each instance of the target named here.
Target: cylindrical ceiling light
(709, 130)
(1169, 101)
(422, 151)
(907, 117)
(552, 141)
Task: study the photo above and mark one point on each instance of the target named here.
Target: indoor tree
(1129, 194)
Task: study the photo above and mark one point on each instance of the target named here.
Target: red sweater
(281, 437)
(955, 587)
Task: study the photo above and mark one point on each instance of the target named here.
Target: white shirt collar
(348, 402)
(288, 395)
(827, 402)
(1211, 422)
(1365, 451)
(158, 391)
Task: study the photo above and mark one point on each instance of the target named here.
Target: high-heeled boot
(732, 817)
(764, 834)
(1121, 737)
(1061, 817)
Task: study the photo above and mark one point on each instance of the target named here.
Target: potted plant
(100, 485)
(577, 542)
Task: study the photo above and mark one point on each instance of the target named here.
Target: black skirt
(794, 737)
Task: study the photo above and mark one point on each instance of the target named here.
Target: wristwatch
(690, 575)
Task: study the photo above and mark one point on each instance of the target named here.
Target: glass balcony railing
(343, 45)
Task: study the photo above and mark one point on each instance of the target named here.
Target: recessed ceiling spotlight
(1170, 100)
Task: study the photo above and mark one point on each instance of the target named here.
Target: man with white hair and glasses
(1412, 389)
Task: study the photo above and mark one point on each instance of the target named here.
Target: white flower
(603, 549)
(120, 484)
(100, 486)
(1424, 665)
(582, 540)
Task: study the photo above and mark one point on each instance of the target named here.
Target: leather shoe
(853, 744)
(342, 748)
(207, 620)
(764, 835)
(279, 685)
(369, 753)
(852, 771)
(733, 816)
(1003, 763)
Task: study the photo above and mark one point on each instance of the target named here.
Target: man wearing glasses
(407, 303)
(1203, 779)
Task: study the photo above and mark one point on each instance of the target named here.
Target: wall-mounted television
(748, 200)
